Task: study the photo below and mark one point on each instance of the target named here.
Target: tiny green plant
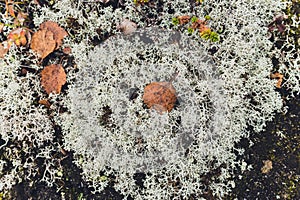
(190, 30)
(175, 21)
(214, 37)
(193, 24)
(207, 17)
(194, 19)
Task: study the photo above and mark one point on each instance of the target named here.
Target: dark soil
(284, 152)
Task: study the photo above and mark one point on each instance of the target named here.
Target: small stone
(267, 166)
(160, 96)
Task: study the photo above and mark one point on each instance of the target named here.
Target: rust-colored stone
(160, 96)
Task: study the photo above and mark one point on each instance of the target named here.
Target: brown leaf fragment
(160, 96)
(53, 77)
(199, 24)
(279, 78)
(1, 27)
(267, 166)
(183, 19)
(43, 43)
(58, 32)
(3, 49)
(63, 151)
(45, 102)
(48, 38)
(20, 19)
(10, 8)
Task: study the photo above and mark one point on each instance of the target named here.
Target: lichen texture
(219, 97)
(223, 91)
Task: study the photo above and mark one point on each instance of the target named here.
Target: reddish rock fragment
(160, 96)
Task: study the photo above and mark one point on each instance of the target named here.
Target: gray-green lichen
(217, 101)
(219, 96)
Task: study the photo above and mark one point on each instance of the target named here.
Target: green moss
(194, 19)
(175, 20)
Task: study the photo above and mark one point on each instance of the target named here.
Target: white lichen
(218, 100)
(24, 125)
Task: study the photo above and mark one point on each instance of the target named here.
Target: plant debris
(279, 77)
(53, 77)
(267, 166)
(17, 36)
(194, 24)
(47, 39)
(183, 19)
(43, 43)
(3, 49)
(9, 7)
(58, 32)
(45, 102)
(278, 23)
